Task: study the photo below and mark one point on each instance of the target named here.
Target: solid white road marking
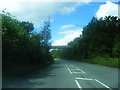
(66, 65)
(81, 70)
(72, 69)
(78, 85)
(84, 78)
(103, 84)
(69, 70)
(77, 72)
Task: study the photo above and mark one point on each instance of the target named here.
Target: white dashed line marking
(77, 72)
(81, 70)
(66, 65)
(69, 70)
(84, 78)
(72, 69)
(78, 85)
(103, 84)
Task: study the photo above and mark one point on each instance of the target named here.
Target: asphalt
(70, 74)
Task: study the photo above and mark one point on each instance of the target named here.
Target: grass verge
(112, 62)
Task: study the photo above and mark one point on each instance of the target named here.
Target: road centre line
(77, 72)
(103, 84)
(84, 78)
(69, 70)
(78, 85)
(72, 69)
(81, 70)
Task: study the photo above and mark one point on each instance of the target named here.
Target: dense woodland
(100, 38)
(23, 49)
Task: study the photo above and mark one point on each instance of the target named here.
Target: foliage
(55, 53)
(19, 46)
(99, 38)
(27, 26)
(112, 62)
(46, 32)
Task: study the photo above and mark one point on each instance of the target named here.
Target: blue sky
(81, 16)
(67, 18)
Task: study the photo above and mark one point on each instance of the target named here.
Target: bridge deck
(60, 47)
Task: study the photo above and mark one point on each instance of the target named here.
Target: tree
(46, 32)
(19, 47)
(99, 38)
(27, 26)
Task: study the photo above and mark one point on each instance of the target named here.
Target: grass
(112, 62)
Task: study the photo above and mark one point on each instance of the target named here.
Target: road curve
(69, 74)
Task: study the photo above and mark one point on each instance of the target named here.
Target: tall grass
(112, 62)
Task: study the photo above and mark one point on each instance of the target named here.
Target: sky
(68, 17)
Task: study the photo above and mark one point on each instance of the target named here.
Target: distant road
(69, 74)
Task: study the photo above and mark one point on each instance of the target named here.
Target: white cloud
(71, 31)
(36, 11)
(70, 36)
(67, 26)
(107, 9)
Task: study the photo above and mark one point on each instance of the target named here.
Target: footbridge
(61, 47)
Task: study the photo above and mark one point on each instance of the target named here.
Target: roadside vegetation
(99, 43)
(24, 51)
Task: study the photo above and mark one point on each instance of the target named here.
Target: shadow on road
(33, 78)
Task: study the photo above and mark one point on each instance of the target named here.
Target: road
(69, 74)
